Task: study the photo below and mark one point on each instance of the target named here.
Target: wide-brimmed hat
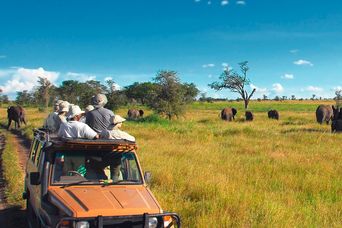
(74, 111)
(99, 100)
(114, 120)
(63, 106)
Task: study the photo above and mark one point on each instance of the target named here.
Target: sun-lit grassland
(261, 173)
(12, 172)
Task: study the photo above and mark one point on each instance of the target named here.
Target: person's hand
(97, 136)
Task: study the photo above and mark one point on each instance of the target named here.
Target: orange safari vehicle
(89, 183)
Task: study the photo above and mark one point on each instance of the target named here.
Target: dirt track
(13, 216)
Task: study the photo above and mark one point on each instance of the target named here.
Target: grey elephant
(228, 114)
(249, 116)
(324, 113)
(135, 114)
(336, 125)
(273, 114)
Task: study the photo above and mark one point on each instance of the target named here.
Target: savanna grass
(263, 173)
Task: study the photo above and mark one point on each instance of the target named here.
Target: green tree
(169, 99)
(43, 91)
(190, 92)
(141, 92)
(24, 98)
(235, 82)
(70, 91)
(116, 97)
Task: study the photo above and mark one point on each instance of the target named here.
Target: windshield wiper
(77, 182)
(126, 181)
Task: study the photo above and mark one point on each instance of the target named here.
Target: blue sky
(293, 47)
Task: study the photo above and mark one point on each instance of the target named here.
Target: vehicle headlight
(152, 222)
(82, 224)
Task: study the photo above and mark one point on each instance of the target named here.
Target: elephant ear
(234, 111)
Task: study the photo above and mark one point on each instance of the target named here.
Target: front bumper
(132, 221)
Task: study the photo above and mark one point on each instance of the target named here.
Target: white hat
(63, 106)
(114, 120)
(74, 111)
(99, 100)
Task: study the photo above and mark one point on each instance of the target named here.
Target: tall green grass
(12, 173)
(263, 173)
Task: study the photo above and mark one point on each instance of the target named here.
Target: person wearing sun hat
(114, 132)
(52, 122)
(99, 118)
(74, 128)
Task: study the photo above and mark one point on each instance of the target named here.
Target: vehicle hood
(90, 201)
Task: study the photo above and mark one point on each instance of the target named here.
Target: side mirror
(148, 177)
(34, 178)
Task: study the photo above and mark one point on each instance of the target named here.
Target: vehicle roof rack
(77, 143)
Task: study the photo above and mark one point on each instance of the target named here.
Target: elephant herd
(327, 113)
(228, 114)
(324, 113)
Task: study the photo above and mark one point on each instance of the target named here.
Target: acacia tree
(169, 97)
(235, 82)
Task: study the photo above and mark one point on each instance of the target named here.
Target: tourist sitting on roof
(52, 122)
(99, 118)
(63, 109)
(114, 132)
(86, 110)
(74, 128)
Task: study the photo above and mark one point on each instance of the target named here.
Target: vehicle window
(38, 153)
(103, 167)
(34, 150)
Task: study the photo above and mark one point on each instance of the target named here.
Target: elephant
(228, 114)
(135, 114)
(17, 114)
(249, 116)
(324, 113)
(273, 114)
(336, 125)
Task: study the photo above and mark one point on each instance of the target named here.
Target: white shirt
(76, 129)
(116, 134)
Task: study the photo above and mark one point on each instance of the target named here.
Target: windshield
(78, 167)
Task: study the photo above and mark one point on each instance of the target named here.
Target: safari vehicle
(89, 183)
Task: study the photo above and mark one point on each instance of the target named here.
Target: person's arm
(90, 133)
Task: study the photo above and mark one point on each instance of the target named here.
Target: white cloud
(224, 2)
(25, 79)
(287, 76)
(208, 65)
(337, 88)
(277, 88)
(258, 90)
(241, 2)
(303, 62)
(313, 89)
(294, 51)
(107, 79)
(81, 77)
